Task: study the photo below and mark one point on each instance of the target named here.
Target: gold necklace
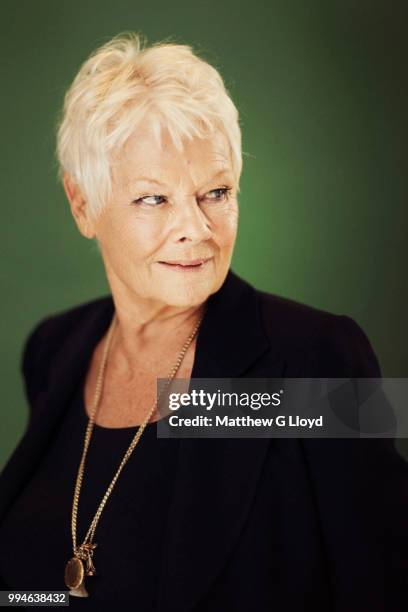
(81, 565)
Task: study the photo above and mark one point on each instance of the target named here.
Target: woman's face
(168, 206)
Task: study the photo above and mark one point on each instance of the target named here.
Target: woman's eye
(221, 193)
(145, 200)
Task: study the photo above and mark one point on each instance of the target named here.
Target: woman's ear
(79, 206)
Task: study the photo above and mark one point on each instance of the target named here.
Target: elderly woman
(92, 500)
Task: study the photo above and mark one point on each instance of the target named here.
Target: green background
(322, 92)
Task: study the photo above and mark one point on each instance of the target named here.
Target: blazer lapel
(216, 479)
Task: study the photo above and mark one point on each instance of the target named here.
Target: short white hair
(123, 84)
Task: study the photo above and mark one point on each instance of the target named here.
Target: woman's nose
(190, 223)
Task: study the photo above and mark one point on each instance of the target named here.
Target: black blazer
(255, 524)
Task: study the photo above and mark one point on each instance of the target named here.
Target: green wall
(322, 91)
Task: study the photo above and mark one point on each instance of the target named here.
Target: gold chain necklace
(75, 570)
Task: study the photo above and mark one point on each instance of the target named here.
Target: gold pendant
(74, 577)
(75, 571)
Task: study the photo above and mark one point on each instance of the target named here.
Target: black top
(254, 524)
(36, 538)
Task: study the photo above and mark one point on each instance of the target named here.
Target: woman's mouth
(193, 265)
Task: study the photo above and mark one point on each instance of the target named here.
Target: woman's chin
(181, 300)
(185, 289)
(185, 296)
